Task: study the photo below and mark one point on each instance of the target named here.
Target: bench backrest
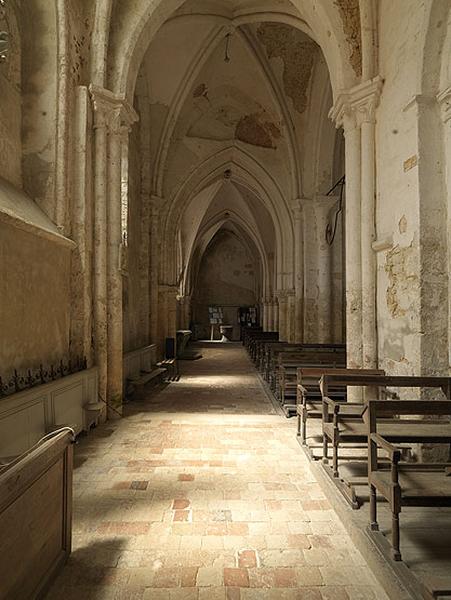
(301, 358)
(444, 383)
(390, 408)
(312, 376)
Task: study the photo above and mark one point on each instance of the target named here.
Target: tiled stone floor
(201, 491)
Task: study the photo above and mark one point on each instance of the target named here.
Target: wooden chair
(406, 484)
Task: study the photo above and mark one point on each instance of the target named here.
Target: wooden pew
(289, 362)
(426, 484)
(248, 333)
(35, 517)
(341, 429)
(260, 337)
(309, 398)
(276, 351)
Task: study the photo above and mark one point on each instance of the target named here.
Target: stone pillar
(275, 314)
(366, 116)
(112, 119)
(82, 229)
(344, 115)
(172, 293)
(282, 298)
(119, 127)
(444, 99)
(266, 314)
(101, 111)
(270, 311)
(291, 316)
(298, 272)
(323, 206)
(154, 262)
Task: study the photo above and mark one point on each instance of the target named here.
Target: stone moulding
(20, 211)
(27, 416)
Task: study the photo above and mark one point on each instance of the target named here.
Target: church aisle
(202, 492)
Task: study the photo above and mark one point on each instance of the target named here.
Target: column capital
(357, 105)
(297, 205)
(444, 100)
(111, 110)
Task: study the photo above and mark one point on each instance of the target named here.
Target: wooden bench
(35, 517)
(248, 332)
(308, 393)
(258, 337)
(276, 352)
(426, 484)
(145, 377)
(172, 365)
(290, 362)
(341, 428)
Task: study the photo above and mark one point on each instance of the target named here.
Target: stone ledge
(20, 211)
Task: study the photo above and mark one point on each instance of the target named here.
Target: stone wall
(10, 104)
(35, 300)
(411, 207)
(227, 279)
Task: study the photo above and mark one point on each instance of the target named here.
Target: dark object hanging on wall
(331, 228)
(247, 316)
(32, 378)
(169, 347)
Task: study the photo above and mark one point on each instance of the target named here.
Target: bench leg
(374, 526)
(395, 536)
(325, 448)
(299, 431)
(304, 426)
(335, 458)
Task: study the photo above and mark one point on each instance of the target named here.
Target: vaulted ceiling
(232, 103)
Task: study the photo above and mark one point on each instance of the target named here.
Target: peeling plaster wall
(227, 279)
(35, 300)
(350, 16)
(397, 208)
(298, 54)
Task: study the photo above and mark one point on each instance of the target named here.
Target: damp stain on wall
(350, 16)
(298, 54)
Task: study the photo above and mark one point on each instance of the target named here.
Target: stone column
(344, 115)
(155, 205)
(266, 314)
(82, 229)
(298, 272)
(101, 111)
(121, 120)
(322, 207)
(172, 292)
(270, 315)
(291, 316)
(112, 119)
(444, 99)
(275, 314)
(366, 115)
(282, 298)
